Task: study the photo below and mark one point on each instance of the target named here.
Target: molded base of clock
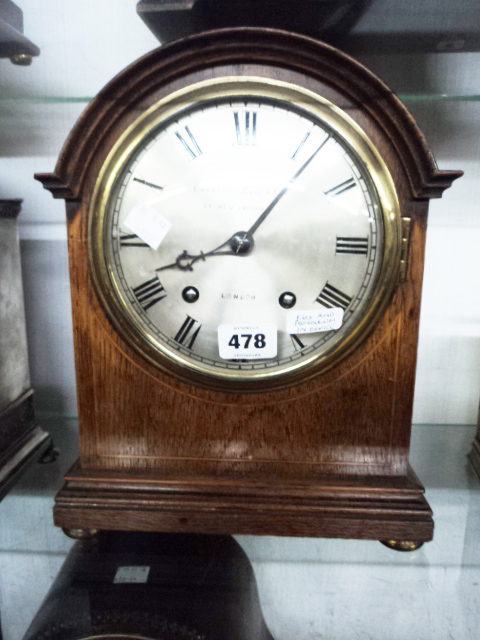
(475, 455)
(371, 508)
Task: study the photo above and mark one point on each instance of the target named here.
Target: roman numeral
(355, 246)
(149, 293)
(341, 188)
(330, 297)
(297, 343)
(131, 240)
(246, 127)
(186, 336)
(148, 184)
(189, 142)
(300, 146)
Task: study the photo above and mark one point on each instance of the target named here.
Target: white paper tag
(131, 574)
(314, 321)
(247, 341)
(149, 225)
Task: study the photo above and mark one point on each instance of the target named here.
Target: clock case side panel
(83, 333)
(117, 466)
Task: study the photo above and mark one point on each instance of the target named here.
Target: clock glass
(244, 233)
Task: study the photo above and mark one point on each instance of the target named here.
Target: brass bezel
(234, 87)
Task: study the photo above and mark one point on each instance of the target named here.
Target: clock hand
(242, 241)
(185, 260)
(277, 198)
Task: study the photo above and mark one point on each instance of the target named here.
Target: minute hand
(277, 198)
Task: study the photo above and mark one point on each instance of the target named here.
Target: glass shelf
(406, 98)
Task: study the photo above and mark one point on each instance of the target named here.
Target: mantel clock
(246, 219)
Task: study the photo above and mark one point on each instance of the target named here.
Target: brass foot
(22, 59)
(402, 545)
(80, 534)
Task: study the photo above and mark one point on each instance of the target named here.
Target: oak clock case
(286, 184)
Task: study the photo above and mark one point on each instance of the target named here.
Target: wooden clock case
(325, 457)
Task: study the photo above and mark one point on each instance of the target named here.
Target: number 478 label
(247, 341)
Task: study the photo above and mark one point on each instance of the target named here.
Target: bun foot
(402, 545)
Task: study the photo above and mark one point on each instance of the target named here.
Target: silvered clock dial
(244, 232)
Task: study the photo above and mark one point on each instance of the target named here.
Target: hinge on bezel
(402, 276)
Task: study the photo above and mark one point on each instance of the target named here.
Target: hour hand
(240, 243)
(183, 262)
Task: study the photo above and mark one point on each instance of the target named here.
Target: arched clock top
(132, 88)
